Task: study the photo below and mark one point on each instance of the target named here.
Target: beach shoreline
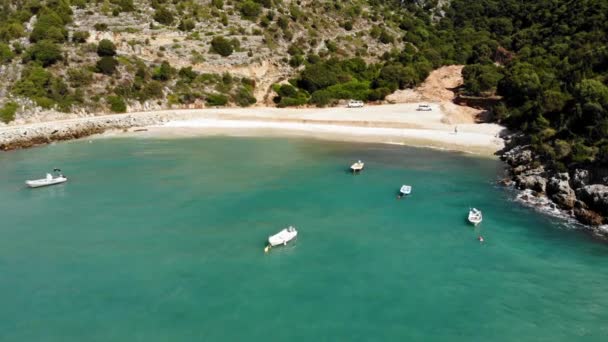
(395, 124)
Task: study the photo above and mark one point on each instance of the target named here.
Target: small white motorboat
(358, 166)
(283, 237)
(405, 190)
(49, 180)
(475, 216)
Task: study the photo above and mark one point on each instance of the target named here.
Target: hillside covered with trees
(546, 59)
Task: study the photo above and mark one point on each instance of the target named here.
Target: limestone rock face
(533, 182)
(580, 178)
(559, 190)
(519, 156)
(595, 196)
(588, 217)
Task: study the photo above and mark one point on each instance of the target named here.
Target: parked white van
(355, 104)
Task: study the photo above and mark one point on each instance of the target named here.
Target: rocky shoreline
(578, 194)
(12, 138)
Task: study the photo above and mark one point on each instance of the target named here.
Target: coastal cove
(162, 239)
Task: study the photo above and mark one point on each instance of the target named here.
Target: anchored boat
(283, 237)
(475, 216)
(405, 190)
(358, 166)
(48, 180)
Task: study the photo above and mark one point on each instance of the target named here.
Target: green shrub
(11, 31)
(265, 3)
(186, 25)
(187, 74)
(49, 26)
(117, 104)
(216, 100)
(124, 5)
(41, 86)
(250, 10)
(106, 48)
(45, 52)
(481, 78)
(219, 4)
(318, 76)
(151, 90)
(296, 61)
(396, 76)
(283, 22)
(292, 101)
(378, 94)
(79, 77)
(349, 90)
(244, 98)
(287, 90)
(222, 46)
(321, 98)
(7, 113)
(164, 72)
(386, 38)
(106, 65)
(101, 27)
(163, 16)
(6, 54)
(80, 36)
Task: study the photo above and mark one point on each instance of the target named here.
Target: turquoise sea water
(162, 240)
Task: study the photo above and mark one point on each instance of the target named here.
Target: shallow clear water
(162, 240)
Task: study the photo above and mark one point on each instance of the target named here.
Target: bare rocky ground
(440, 87)
(262, 55)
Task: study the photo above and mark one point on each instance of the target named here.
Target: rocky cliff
(576, 194)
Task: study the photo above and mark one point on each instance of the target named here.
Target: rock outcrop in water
(576, 194)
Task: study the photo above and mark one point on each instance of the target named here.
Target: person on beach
(455, 129)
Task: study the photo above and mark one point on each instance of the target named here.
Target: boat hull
(282, 238)
(405, 190)
(356, 167)
(39, 183)
(475, 217)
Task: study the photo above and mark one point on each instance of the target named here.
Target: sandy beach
(395, 124)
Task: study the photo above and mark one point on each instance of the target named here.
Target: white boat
(283, 237)
(475, 216)
(48, 180)
(405, 190)
(358, 166)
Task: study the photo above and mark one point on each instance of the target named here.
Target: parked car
(355, 104)
(424, 108)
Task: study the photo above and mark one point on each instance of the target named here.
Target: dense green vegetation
(553, 73)
(323, 82)
(7, 113)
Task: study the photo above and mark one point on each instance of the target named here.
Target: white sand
(397, 124)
